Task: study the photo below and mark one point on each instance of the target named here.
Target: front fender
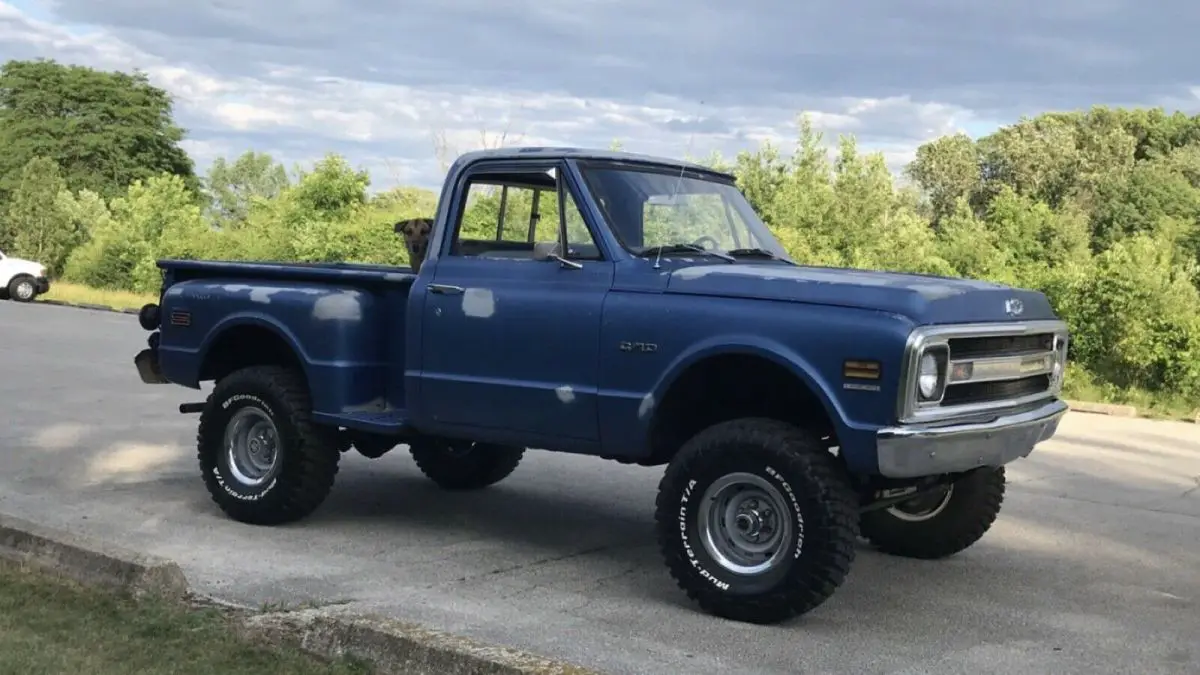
(754, 345)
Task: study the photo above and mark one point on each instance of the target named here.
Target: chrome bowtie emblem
(1013, 306)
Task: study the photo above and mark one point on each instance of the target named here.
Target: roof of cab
(547, 152)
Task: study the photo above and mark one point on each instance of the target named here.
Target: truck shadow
(531, 536)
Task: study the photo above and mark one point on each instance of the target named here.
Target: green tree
(947, 169)
(104, 129)
(1037, 157)
(157, 218)
(37, 228)
(233, 188)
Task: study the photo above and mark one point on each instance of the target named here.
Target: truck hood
(922, 298)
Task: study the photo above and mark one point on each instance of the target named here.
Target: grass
(1080, 385)
(78, 294)
(50, 625)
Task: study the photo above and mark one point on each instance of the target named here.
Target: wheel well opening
(245, 346)
(730, 386)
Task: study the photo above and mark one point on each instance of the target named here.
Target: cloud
(378, 80)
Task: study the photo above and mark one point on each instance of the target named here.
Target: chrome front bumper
(909, 452)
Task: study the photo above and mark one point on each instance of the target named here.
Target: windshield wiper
(758, 252)
(683, 248)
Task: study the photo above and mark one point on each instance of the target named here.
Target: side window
(506, 214)
(581, 245)
(498, 213)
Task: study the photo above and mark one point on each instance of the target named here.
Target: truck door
(510, 340)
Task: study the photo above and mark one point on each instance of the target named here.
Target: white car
(22, 280)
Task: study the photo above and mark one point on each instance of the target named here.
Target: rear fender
(186, 371)
(334, 331)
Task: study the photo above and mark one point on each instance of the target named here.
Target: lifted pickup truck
(634, 309)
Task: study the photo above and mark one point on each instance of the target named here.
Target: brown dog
(416, 239)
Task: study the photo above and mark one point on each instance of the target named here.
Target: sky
(397, 86)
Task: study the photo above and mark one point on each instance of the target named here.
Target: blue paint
(527, 351)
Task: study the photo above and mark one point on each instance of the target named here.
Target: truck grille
(982, 392)
(986, 367)
(978, 350)
(1000, 345)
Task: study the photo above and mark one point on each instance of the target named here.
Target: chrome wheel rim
(252, 444)
(922, 508)
(744, 524)
(25, 290)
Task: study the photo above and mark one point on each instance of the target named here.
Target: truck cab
(635, 309)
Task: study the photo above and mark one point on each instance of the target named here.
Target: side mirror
(545, 250)
(549, 250)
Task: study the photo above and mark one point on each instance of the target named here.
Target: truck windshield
(664, 210)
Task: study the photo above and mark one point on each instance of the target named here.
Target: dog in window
(416, 239)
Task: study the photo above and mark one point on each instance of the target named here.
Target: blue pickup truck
(635, 309)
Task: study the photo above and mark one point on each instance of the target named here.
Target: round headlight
(928, 376)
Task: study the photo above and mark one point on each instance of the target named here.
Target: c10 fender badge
(643, 347)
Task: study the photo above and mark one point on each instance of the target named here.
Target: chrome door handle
(443, 289)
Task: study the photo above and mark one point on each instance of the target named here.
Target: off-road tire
(823, 517)
(972, 508)
(480, 465)
(15, 285)
(307, 455)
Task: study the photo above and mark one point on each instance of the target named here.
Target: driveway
(1094, 565)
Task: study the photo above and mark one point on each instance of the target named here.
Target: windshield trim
(741, 207)
(665, 168)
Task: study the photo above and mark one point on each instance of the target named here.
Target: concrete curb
(90, 561)
(1103, 408)
(389, 646)
(86, 305)
(1117, 410)
(395, 647)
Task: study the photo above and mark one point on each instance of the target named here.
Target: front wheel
(756, 521)
(942, 523)
(263, 460)
(22, 289)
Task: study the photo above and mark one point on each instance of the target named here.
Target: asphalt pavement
(1093, 567)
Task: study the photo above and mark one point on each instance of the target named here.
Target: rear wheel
(263, 460)
(941, 523)
(22, 289)
(464, 465)
(756, 521)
